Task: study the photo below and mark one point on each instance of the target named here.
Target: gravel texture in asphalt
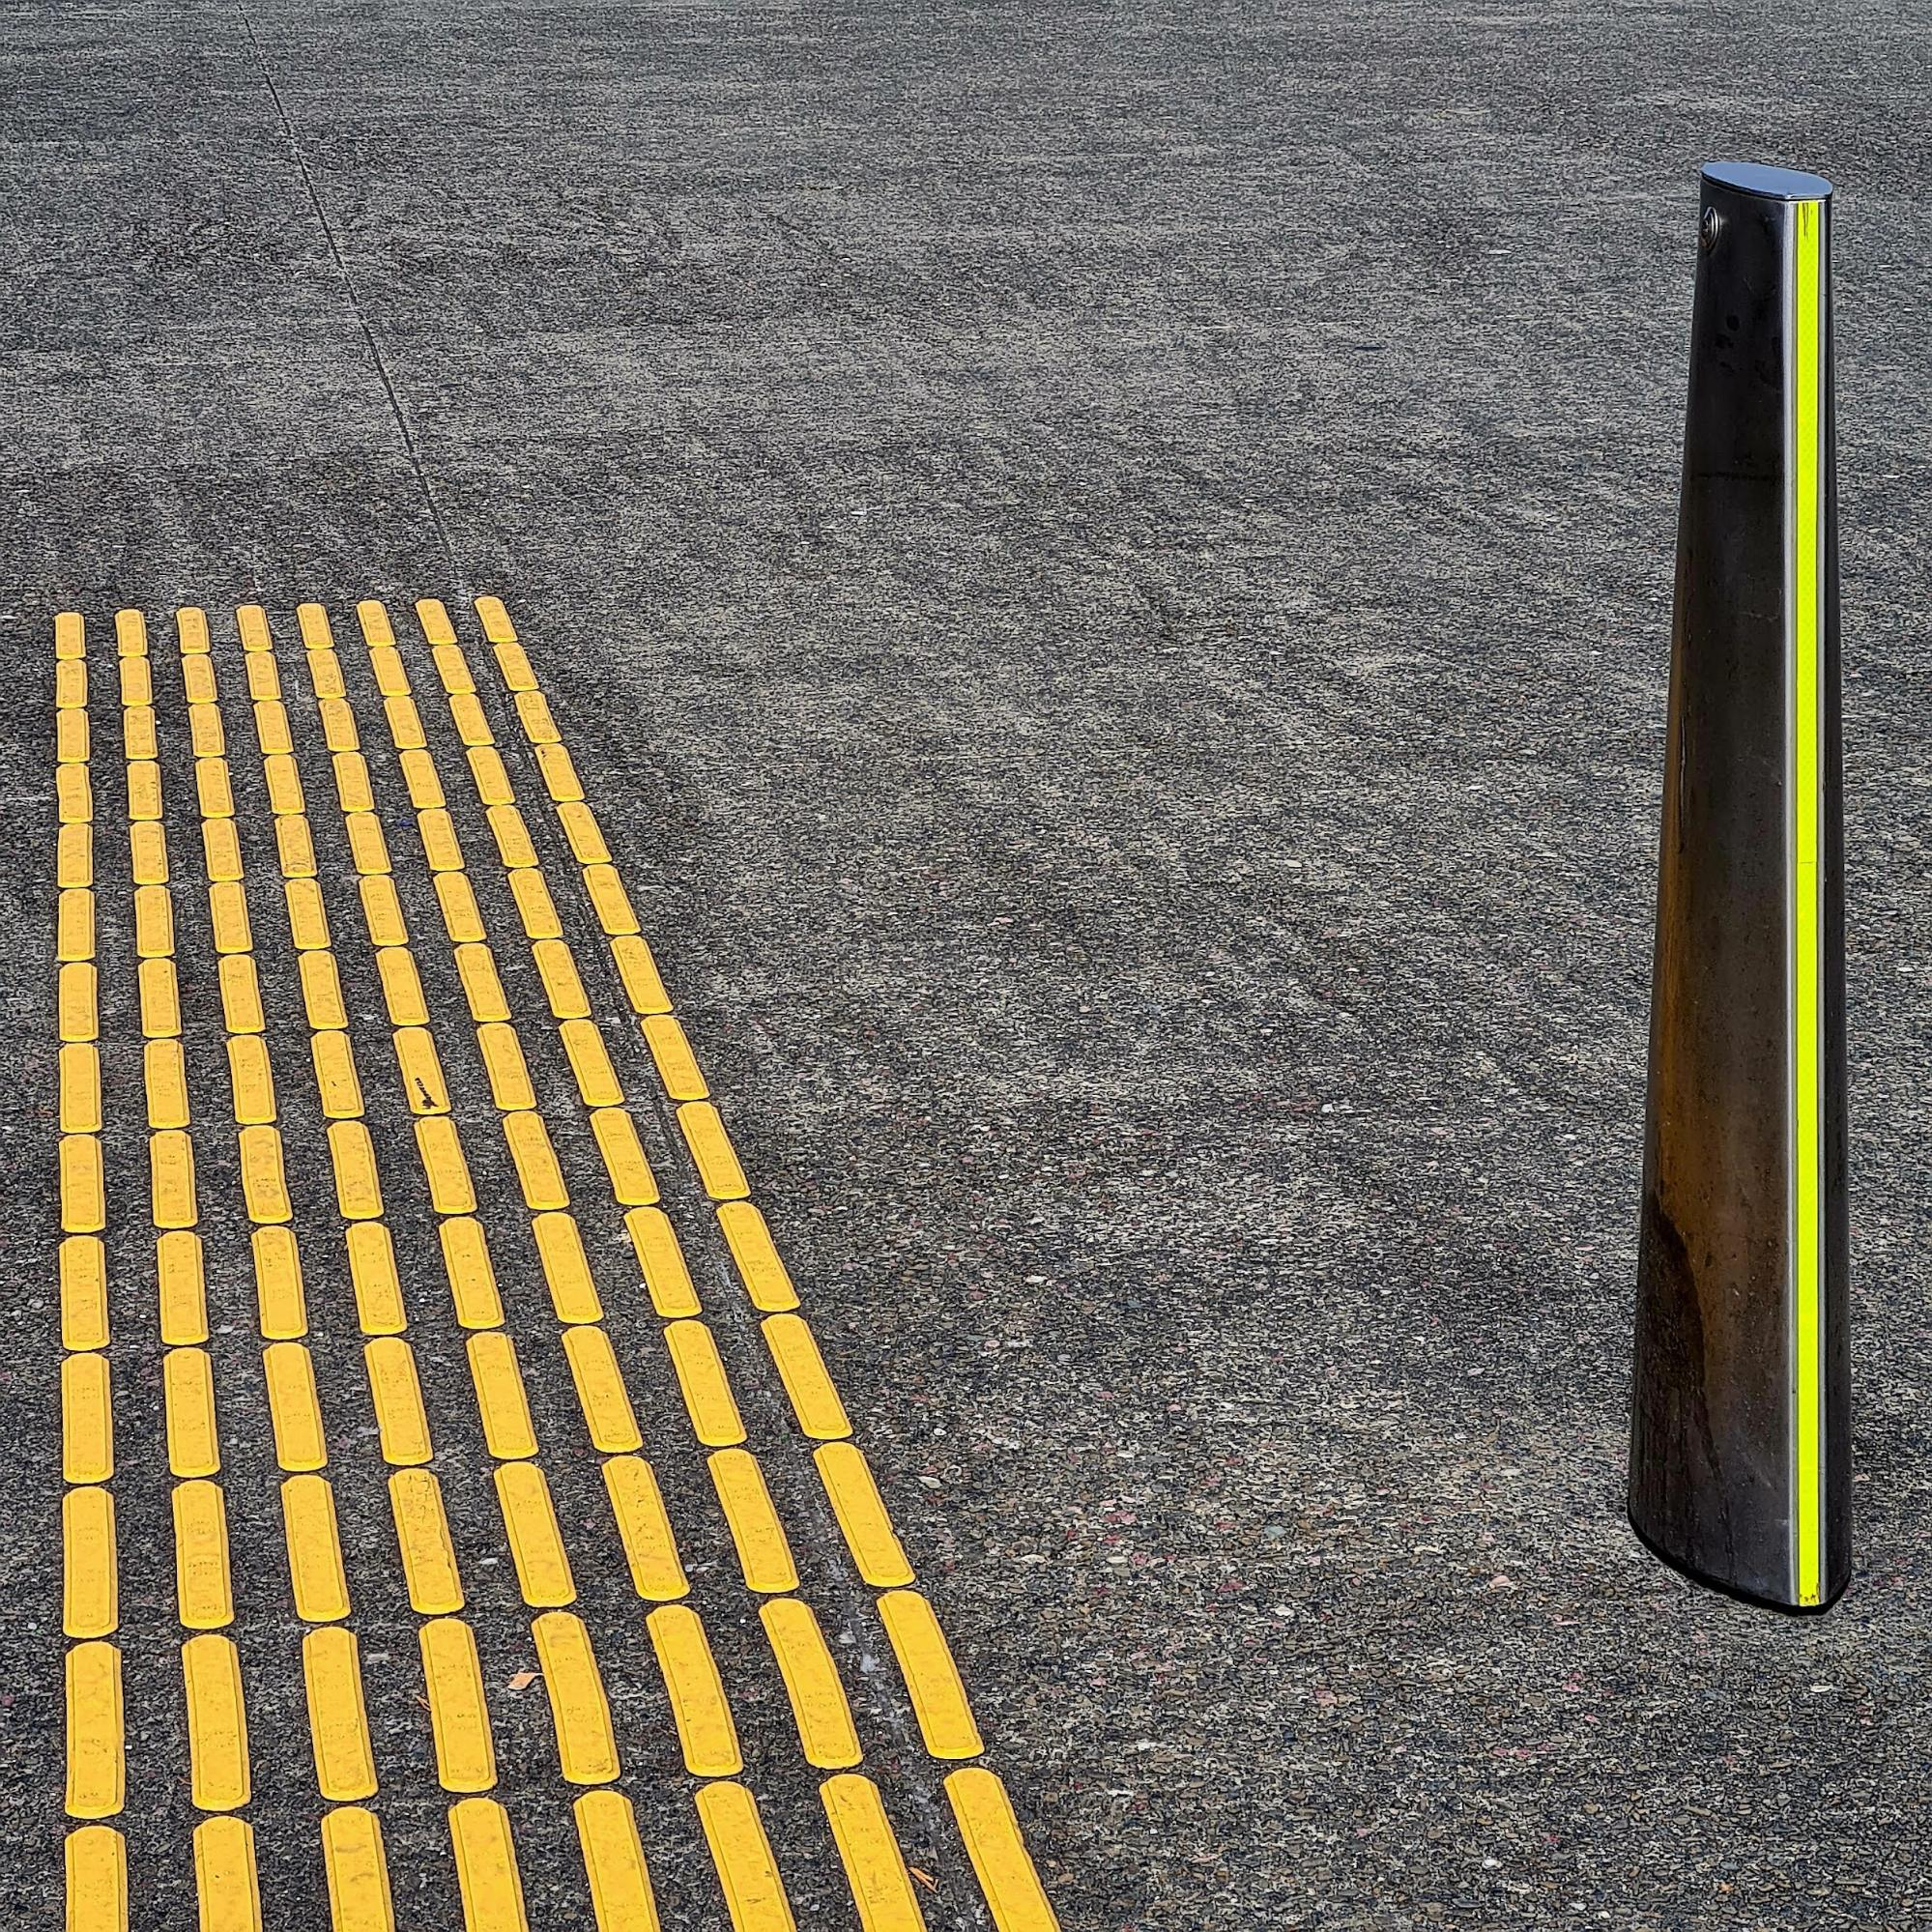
(1108, 570)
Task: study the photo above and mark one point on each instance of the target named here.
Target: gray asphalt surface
(1119, 559)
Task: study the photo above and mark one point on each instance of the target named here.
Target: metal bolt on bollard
(1740, 1444)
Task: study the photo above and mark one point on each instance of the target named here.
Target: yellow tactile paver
(465, 944)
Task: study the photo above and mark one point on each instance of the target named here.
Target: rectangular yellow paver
(73, 794)
(423, 1535)
(171, 1173)
(250, 1080)
(661, 1262)
(587, 1748)
(272, 726)
(73, 856)
(537, 1172)
(338, 1086)
(264, 1179)
(462, 919)
(466, 1758)
(280, 1308)
(79, 1089)
(931, 1677)
(90, 1589)
(701, 1379)
(76, 1001)
(861, 1515)
(483, 988)
(97, 1880)
(358, 1871)
(372, 1273)
(600, 1391)
(358, 1190)
(87, 1419)
(241, 992)
(556, 968)
(610, 902)
(96, 1739)
(217, 1725)
(352, 783)
(83, 1185)
(486, 1869)
(511, 834)
(443, 1165)
(734, 1833)
(421, 1070)
(202, 1584)
(401, 1424)
(488, 773)
(537, 1543)
(649, 1545)
(294, 847)
(643, 986)
(148, 853)
(228, 912)
(764, 1555)
(501, 1401)
(402, 988)
(677, 1065)
(188, 1384)
(538, 726)
(505, 1063)
(882, 1888)
(322, 991)
(220, 849)
(338, 1721)
(705, 1728)
(83, 1293)
(1005, 1872)
(472, 1281)
(815, 1401)
(566, 1268)
(368, 849)
(418, 775)
(73, 924)
(819, 1708)
(590, 1063)
(293, 1407)
(711, 1150)
(227, 1887)
(164, 1075)
(620, 1894)
(382, 910)
(308, 920)
(632, 1182)
(316, 1575)
(154, 923)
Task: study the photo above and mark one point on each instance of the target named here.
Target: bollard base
(1725, 1586)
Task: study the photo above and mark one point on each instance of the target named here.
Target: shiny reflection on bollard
(1740, 1444)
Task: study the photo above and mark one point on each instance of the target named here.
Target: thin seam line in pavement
(355, 303)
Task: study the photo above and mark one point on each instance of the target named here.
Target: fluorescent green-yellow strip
(1806, 1057)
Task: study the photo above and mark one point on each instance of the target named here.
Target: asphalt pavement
(1108, 573)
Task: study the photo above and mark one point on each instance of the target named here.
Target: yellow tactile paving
(218, 1725)
(76, 1001)
(620, 1894)
(466, 1758)
(87, 1419)
(701, 1378)
(649, 1545)
(294, 847)
(504, 1062)
(264, 1176)
(359, 1874)
(590, 1063)
(537, 1171)
(373, 1276)
(250, 1080)
(225, 1879)
(164, 1075)
(171, 1171)
(638, 969)
(861, 1515)
(815, 1401)
(473, 1282)
(882, 1888)
(281, 1311)
(188, 1384)
(338, 1086)
(764, 1555)
(338, 1722)
(819, 1708)
(97, 1880)
(73, 856)
(294, 1408)
(482, 988)
(537, 1543)
(79, 1089)
(992, 1840)
(202, 1582)
(358, 1190)
(307, 922)
(96, 1741)
(461, 918)
(490, 776)
(241, 993)
(450, 1191)
(556, 968)
(421, 1070)
(931, 1677)
(704, 1729)
(401, 1424)
(487, 1868)
(402, 987)
(74, 930)
(667, 1277)
(586, 1748)
(422, 1534)
(90, 1594)
(83, 1185)
(624, 1164)
(754, 1892)
(322, 991)
(600, 1391)
(511, 834)
(712, 1150)
(83, 1293)
(500, 1400)
(316, 1575)
(567, 1269)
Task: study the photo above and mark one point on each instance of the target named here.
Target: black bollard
(1740, 1444)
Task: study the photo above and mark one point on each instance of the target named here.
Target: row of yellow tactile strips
(345, 1769)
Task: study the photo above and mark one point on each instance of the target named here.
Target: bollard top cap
(1772, 184)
